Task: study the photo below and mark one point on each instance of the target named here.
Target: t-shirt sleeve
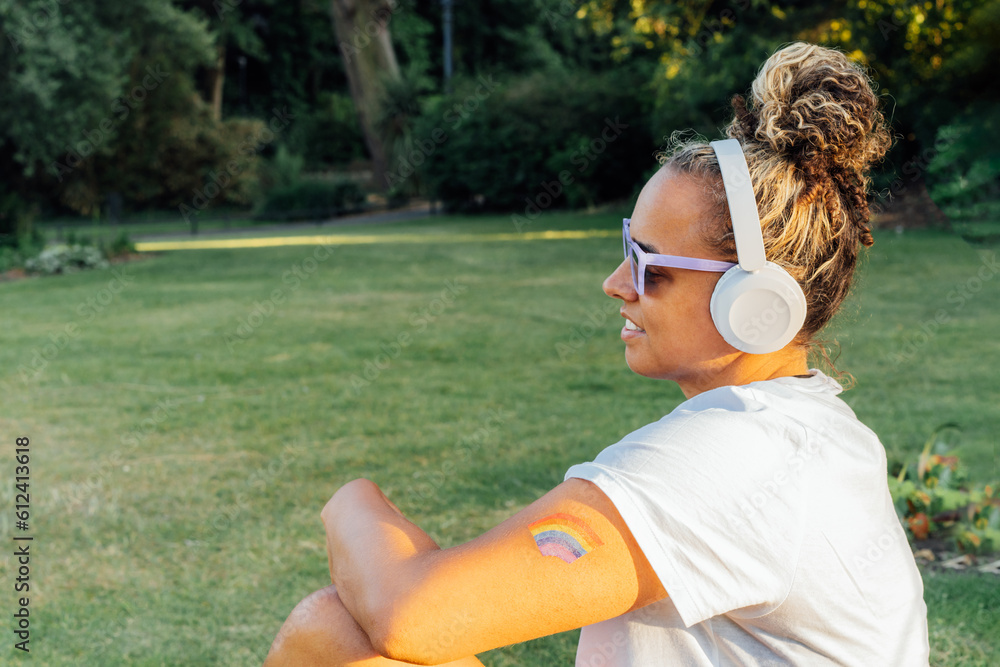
(715, 499)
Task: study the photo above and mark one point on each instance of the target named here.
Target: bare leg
(321, 632)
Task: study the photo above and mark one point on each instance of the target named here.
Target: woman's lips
(631, 330)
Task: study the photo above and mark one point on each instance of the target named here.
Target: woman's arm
(565, 561)
(321, 633)
(368, 542)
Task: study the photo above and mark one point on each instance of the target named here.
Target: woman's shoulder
(760, 419)
(811, 401)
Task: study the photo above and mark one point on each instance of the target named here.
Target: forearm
(320, 631)
(374, 551)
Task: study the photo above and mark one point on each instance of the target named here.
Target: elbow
(399, 635)
(391, 640)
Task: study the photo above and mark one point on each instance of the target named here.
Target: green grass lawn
(190, 414)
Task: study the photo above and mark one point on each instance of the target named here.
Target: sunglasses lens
(631, 256)
(634, 265)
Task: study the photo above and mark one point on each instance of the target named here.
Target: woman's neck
(741, 368)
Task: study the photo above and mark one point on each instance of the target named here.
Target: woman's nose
(619, 284)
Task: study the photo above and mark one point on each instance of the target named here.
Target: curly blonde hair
(810, 133)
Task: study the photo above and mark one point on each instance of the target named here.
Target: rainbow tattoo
(564, 536)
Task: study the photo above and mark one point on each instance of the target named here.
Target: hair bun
(815, 107)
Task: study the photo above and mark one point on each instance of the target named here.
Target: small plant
(66, 259)
(121, 246)
(74, 239)
(935, 501)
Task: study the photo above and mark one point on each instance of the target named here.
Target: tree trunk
(362, 30)
(216, 80)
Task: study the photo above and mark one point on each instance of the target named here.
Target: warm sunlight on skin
(678, 340)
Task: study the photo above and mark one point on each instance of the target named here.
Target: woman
(751, 525)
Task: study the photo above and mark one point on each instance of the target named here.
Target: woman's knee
(318, 631)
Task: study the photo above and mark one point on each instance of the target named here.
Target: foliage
(293, 59)
(169, 152)
(122, 122)
(328, 133)
(398, 115)
(416, 48)
(16, 214)
(16, 249)
(933, 498)
(922, 54)
(312, 200)
(66, 259)
(930, 60)
(67, 63)
(121, 246)
(525, 144)
(964, 172)
(285, 167)
(695, 86)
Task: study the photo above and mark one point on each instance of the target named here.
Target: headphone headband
(742, 204)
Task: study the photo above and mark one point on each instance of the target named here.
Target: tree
(60, 67)
(99, 99)
(233, 30)
(362, 29)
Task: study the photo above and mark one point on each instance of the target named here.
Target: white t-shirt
(765, 513)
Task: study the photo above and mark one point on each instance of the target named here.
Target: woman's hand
(370, 547)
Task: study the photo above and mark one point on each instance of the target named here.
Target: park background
(392, 235)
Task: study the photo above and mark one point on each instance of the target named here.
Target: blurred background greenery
(188, 110)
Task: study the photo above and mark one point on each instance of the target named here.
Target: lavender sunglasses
(639, 259)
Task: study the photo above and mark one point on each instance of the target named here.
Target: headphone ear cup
(758, 312)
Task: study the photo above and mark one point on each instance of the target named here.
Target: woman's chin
(638, 364)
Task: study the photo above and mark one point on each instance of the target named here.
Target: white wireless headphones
(757, 306)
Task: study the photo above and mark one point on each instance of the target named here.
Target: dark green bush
(16, 217)
(120, 246)
(500, 144)
(328, 134)
(963, 172)
(168, 153)
(310, 200)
